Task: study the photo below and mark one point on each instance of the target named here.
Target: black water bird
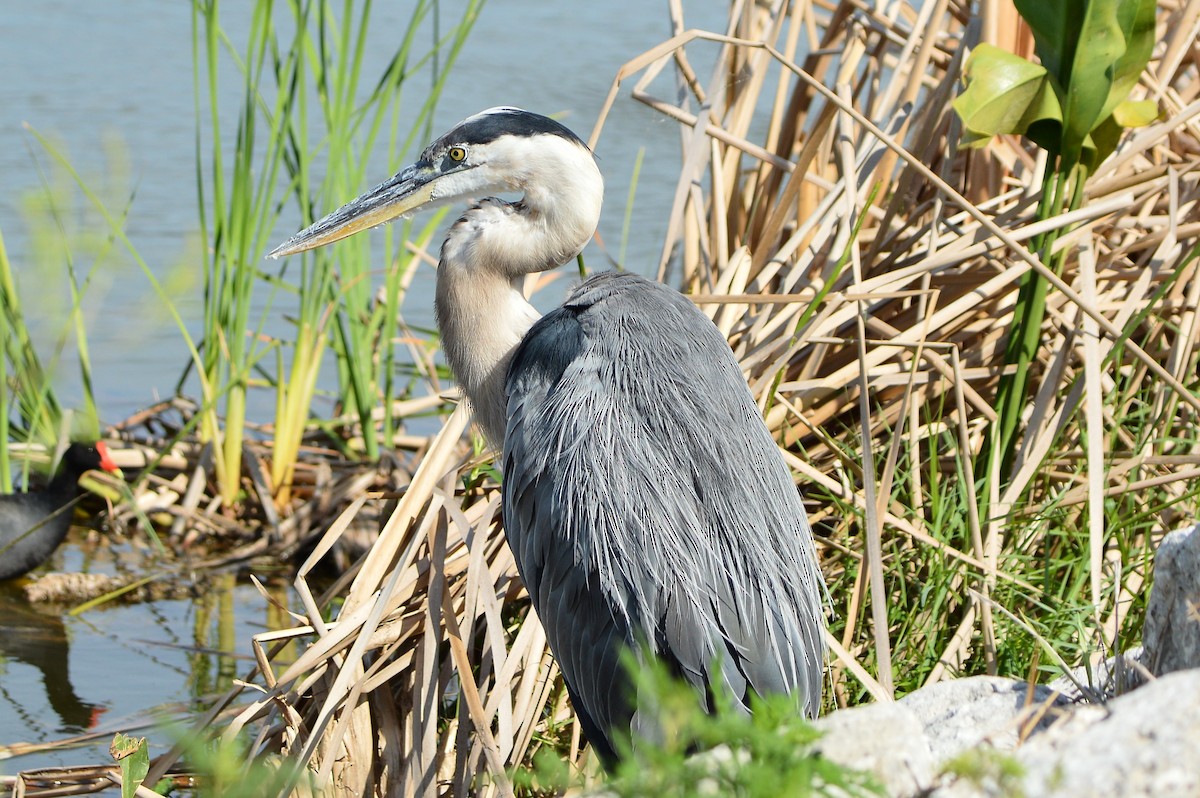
(32, 524)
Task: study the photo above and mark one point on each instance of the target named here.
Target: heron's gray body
(645, 502)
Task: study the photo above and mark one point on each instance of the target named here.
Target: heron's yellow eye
(457, 153)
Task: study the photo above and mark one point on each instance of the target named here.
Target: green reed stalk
(321, 62)
(229, 274)
(296, 383)
(627, 222)
(90, 416)
(114, 234)
(37, 407)
(39, 413)
(1091, 59)
(8, 298)
(239, 205)
(365, 324)
(353, 132)
(57, 239)
(1030, 310)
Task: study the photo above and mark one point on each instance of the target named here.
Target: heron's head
(498, 150)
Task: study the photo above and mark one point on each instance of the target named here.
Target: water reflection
(38, 638)
(213, 632)
(124, 665)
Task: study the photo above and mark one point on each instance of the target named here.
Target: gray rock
(1141, 745)
(963, 713)
(885, 740)
(1172, 632)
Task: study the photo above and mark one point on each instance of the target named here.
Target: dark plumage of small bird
(32, 524)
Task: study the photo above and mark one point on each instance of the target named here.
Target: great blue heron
(645, 502)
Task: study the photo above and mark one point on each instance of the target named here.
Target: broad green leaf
(134, 758)
(1047, 134)
(1004, 94)
(1042, 122)
(1055, 25)
(1101, 44)
(1101, 142)
(974, 141)
(1104, 138)
(1096, 51)
(1136, 19)
(1135, 113)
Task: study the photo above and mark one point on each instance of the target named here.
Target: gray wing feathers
(646, 502)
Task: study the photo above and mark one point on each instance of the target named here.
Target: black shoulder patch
(546, 350)
(496, 122)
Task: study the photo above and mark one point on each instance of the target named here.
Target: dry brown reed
(864, 269)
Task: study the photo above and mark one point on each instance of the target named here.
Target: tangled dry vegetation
(864, 269)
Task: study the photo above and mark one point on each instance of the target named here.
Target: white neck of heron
(481, 308)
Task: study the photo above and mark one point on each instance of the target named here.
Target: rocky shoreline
(1129, 728)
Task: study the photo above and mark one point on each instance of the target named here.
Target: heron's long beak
(407, 191)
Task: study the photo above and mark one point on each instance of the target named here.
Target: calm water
(119, 668)
(114, 89)
(115, 92)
